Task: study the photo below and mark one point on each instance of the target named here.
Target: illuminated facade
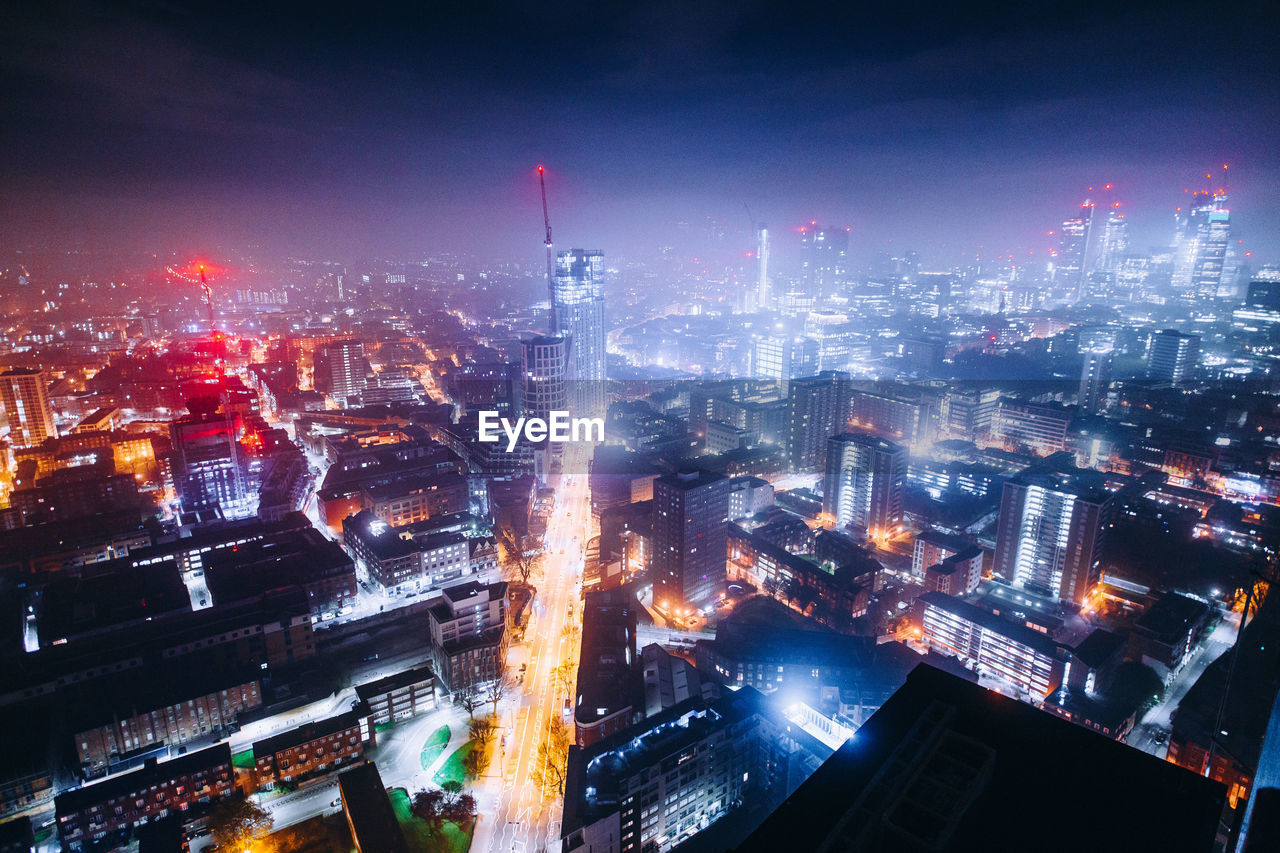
(209, 466)
(578, 302)
(25, 397)
(690, 535)
(1095, 375)
(864, 481)
(86, 815)
(985, 642)
(1173, 356)
(661, 782)
(1051, 534)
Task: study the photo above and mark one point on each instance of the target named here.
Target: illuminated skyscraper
(210, 468)
(578, 301)
(543, 371)
(864, 482)
(826, 256)
(1200, 246)
(340, 371)
(763, 296)
(1094, 378)
(26, 406)
(1073, 250)
(1051, 533)
(1115, 241)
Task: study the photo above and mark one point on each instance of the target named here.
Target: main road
(515, 814)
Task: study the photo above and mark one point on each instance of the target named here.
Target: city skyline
(638, 429)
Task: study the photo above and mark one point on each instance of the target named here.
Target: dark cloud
(308, 126)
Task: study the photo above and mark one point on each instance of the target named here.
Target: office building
(1261, 307)
(25, 398)
(783, 357)
(818, 407)
(826, 256)
(578, 302)
(1201, 247)
(1071, 264)
(968, 413)
(607, 697)
(1038, 427)
(864, 482)
(748, 496)
(1173, 357)
(897, 412)
(690, 536)
(1051, 534)
(1115, 241)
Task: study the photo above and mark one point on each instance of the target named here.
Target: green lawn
(243, 760)
(434, 746)
(453, 838)
(452, 770)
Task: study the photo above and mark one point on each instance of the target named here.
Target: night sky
(364, 131)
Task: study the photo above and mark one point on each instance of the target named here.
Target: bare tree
(517, 562)
(498, 688)
(564, 677)
(469, 697)
(553, 758)
(482, 729)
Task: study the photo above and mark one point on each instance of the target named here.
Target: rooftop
(947, 765)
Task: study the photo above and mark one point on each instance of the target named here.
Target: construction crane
(546, 221)
(208, 296)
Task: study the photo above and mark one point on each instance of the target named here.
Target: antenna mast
(546, 221)
(208, 296)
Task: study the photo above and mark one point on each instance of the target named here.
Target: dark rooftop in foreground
(370, 816)
(947, 765)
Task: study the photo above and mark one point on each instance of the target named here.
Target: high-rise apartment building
(578, 303)
(544, 363)
(818, 407)
(690, 537)
(340, 371)
(1051, 534)
(210, 468)
(26, 406)
(1095, 375)
(1173, 356)
(864, 481)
